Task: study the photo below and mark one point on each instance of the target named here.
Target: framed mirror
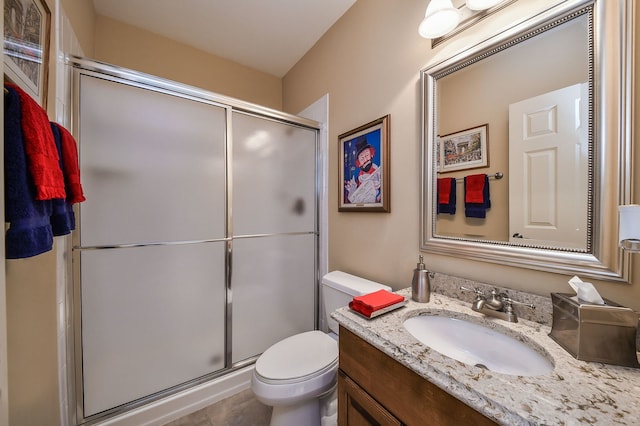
(527, 143)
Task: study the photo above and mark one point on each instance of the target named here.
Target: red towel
(70, 165)
(444, 190)
(474, 189)
(40, 149)
(369, 303)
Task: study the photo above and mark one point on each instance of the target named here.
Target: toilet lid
(298, 356)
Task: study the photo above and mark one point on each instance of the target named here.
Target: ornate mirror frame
(611, 173)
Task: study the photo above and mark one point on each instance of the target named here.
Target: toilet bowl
(293, 375)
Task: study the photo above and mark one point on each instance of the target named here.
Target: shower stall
(197, 247)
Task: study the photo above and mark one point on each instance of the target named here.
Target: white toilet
(295, 373)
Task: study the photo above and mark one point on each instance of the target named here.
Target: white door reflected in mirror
(548, 168)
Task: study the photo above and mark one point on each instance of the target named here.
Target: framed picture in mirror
(466, 149)
(364, 168)
(26, 46)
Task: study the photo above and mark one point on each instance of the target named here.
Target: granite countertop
(574, 393)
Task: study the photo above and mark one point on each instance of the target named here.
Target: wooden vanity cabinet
(374, 389)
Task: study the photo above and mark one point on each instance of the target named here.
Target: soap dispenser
(420, 285)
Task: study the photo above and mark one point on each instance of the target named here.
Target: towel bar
(496, 175)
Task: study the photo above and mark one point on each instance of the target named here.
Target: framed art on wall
(26, 46)
(364, 168)
(467, 149)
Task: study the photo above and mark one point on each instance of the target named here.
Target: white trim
(319, 111)
(4, 385)
(186, 402)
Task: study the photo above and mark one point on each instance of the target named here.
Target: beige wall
(369, 63)
(32, 341)
(130, 47)
(83, 16)
(32, 357)
(116, 43)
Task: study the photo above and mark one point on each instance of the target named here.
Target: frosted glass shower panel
(152, 164)
(152, 318)
(273, 288)
(274, 176)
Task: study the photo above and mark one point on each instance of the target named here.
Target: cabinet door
(357, 408)
(413, 400)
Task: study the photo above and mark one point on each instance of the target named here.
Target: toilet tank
(338, 288)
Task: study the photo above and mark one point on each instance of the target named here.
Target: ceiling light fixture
(439, 19)
(482, 4)
(442, 16)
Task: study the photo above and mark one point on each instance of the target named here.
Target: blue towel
(29, 232)
(63, 220)
(478, 210)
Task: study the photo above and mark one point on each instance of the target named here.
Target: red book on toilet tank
(369, 303)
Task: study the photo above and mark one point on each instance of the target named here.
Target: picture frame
(364, 168)
(466, 149)
(27, 26)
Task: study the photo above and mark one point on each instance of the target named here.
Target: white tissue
(586, 291)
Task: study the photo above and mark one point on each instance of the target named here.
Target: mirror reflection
(518, 121)
(490, 108)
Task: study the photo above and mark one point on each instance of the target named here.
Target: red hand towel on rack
(446, 195)
(444, 190)
(70, 165)
(369, 303)
(40, 149)
(474, 188)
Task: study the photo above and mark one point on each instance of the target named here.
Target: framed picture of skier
(364, 168)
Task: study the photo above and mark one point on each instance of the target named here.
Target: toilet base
(305, 413)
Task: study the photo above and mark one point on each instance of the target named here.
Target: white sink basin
(477, 345)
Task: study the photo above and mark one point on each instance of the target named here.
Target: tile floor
(242, 409)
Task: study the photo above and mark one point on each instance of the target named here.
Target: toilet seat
(295, 374)
(298, 358)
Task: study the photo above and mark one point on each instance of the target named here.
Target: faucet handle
(473, 290)
(480, 299)
(510, 301)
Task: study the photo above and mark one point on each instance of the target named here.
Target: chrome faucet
(497, 305)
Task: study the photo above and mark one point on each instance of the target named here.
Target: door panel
(153, 165)
(274, 183)
(548, 160)
(273, 291)
(152, 318)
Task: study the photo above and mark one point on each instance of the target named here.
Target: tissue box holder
(598, 333)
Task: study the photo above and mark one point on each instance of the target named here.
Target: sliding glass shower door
(274, 223)
(151, 240)
(197, 246)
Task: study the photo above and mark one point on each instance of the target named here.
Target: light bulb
(439, 19)
(629, 227)
(482, 4)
